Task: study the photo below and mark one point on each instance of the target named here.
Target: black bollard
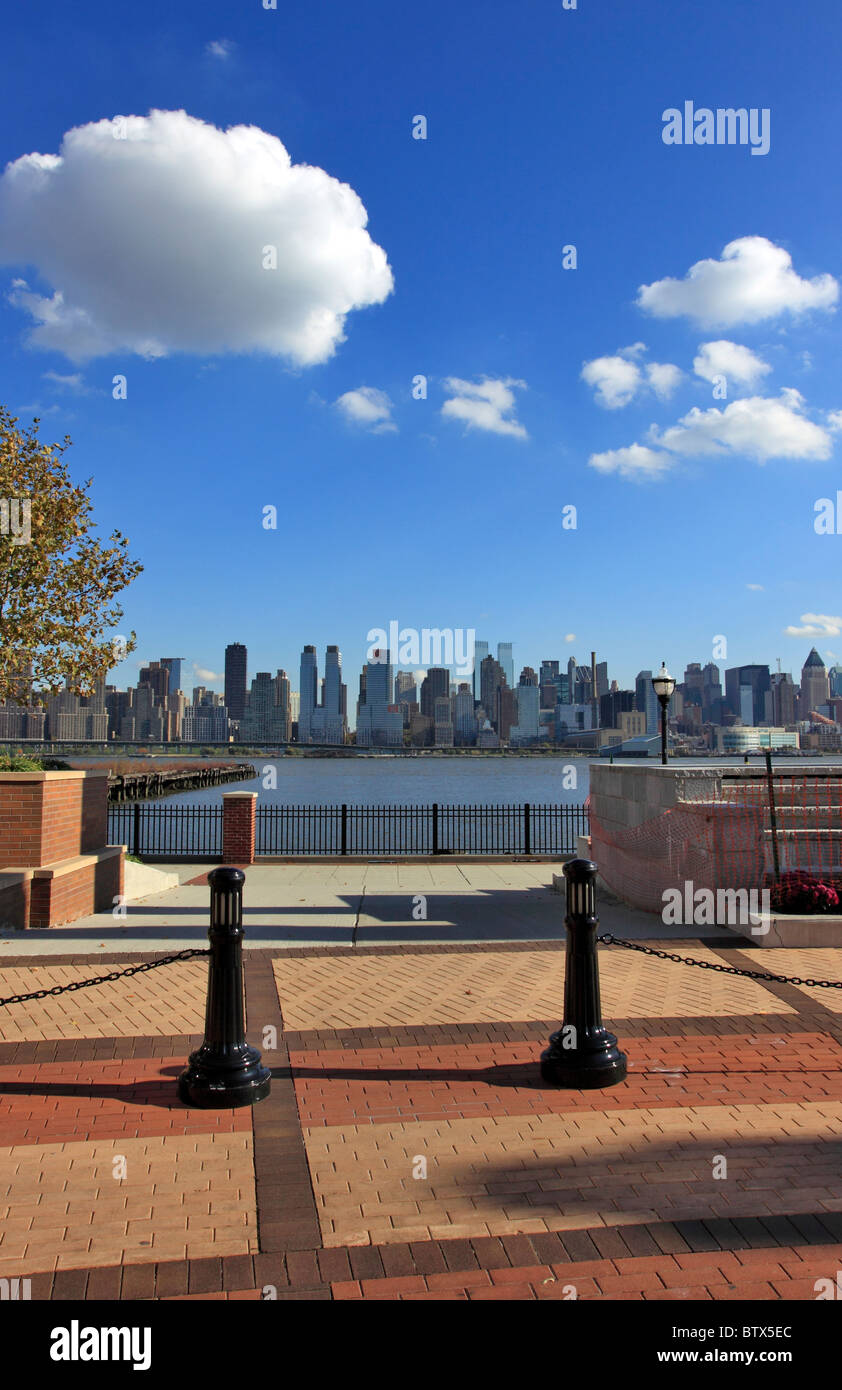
(582, 1055)
(225, 1072)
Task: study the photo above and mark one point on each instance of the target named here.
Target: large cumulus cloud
(150, 232)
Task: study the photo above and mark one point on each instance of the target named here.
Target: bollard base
(214, 1083)
(601, 1065)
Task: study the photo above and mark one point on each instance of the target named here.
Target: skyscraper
(379, 721)
(749, 707)
(236, 658)
(435, 684)
(647, 701)
(173, 665)
(504, 656)
(815, 686)
(480, 653)
(308, 690)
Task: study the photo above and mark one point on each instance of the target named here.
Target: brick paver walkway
(409, 1149)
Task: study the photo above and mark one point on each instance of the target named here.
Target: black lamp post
(664, 685)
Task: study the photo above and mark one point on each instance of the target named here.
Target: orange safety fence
(726, 837)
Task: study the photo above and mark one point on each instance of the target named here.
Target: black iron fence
(159, 832)
(373, 831)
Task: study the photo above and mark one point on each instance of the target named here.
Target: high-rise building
(443, 731)
(158, 678)
(173, 665)
(781, 700)
(711, 694)
(435, 684)
(613, 704)
(464, 719)
(236, 659)
(647, 701)
(309, 692)
(406, 688)
(504, 656)
(751, 707)
(492, 681)
(528, 697)
(480, 653)
(815, 686)
(379, 721)
(835, 679)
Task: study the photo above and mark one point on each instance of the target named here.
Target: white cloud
(758, 588)
(368, 407)
(488, 404)
(816, 625)
(201, 672)
(617, 380)
(155, 243)
(570, 637)
(74, 382)
(664, 378)
(731, 360)
(614, 379)
(756, 426)
(834, 421)
(220, 48)
(753, 280)
(635, 462)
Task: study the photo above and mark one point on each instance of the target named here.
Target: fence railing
(407, 830)
(196, 831)
(161, 831)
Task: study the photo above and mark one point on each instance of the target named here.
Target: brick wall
(67, 896)
(238, 827)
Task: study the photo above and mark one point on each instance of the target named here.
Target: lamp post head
(663, 683)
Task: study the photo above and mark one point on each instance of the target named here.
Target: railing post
(582, 1055)
(526, 829)
(435, 827)
(344, 849)
(225, 1072)
(136, 830)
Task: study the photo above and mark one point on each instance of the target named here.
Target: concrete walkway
(362, 904)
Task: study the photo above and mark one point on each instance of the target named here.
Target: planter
(55, 865)
(789, 929)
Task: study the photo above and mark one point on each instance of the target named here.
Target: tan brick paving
(186, 1197)
(500, 1175)
(817, 963)
(501, 986)
(161, 1002)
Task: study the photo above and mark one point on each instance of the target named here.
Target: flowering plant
(798, 891)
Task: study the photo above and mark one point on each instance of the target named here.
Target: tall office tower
(435, 684)
(236, 658)
(646, 701)
(480, 653)
(506, 713)
(283, 702)
(157, 677)
(583, 688)
(572, 668)
(835, 678)
(694, 684)
(751, 706)
(464, 719)
(261, 722)
(815, 686)
(309, 686)
(526, 729)
(443, 733)
(612, 705)
(173, 665)
(549, 673)
(711, 693)
(781, 700)
(406, 688)
(379, 721)
(492, 680)
(504, 656)
(601, 679)
(327, 723)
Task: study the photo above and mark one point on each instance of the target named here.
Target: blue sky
(544, 131)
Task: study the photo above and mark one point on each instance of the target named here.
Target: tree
(57, 580)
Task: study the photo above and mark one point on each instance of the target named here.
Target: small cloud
(201, 673)
(816, 625)
(757, 588)
(757, 426)
(488, 404)
(368, 407)
(834, 421)
(219, 48)
(731, 360)
(73, 381)
(664, 378)
(636, 462)
(617, 380)
(570, 637)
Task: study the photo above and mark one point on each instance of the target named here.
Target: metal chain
(103, 979)
(609, 940)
